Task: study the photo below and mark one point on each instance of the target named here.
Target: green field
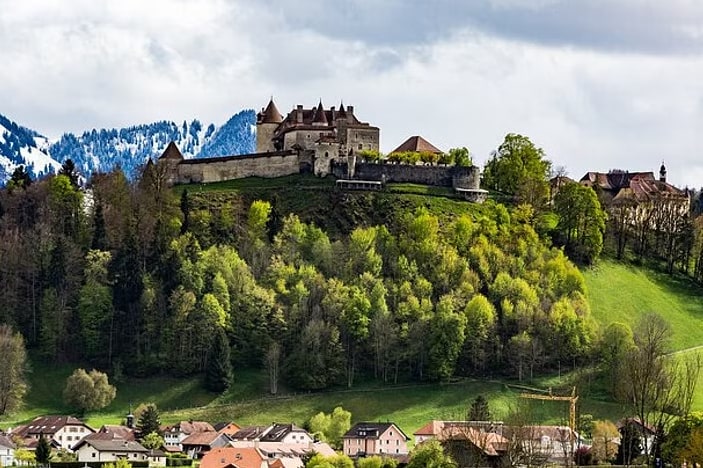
(621, 293)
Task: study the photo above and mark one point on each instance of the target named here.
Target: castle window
(327, 155)
(361, 146)
(308, 135)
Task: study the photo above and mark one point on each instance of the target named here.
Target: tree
(658, 385)
(460, 156)
(519, 168)
(678, 436)
(333, 461)
(218, 372)
(43, 451)
(331, 427)
(630, 444)
(148, 420)
(273, 364)
(479, 410)
(68, 169)
(153, 440)
(581, 221)
(604, 447)
(376, 462)
(13, 385)
(88, 391)
(430, 454)
(20, 178)
(25, 456)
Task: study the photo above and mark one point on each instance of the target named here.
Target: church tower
(662, 173)
(267, 122)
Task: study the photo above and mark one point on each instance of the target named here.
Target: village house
(174, 435)
(476, 441)
(198, 444)
(290, 453)
(98, 450)
(287, 434)
(234, 457)
(368, 438)
(7, 451)
(228, 428)
(64, 431)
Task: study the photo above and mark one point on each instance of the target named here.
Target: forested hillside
(137, 280)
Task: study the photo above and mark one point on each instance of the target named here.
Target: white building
(7, 451)
(110, 450)
(65, 431)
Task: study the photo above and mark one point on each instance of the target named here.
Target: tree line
(131, 279)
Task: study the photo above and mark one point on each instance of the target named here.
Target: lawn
(410, 407)
(621, 293)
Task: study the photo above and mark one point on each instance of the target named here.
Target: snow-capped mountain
(129, 148)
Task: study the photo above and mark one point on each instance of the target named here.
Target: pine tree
(99, 233)
(43, 451)
(218, 372)
(479, 410)
(149, 421)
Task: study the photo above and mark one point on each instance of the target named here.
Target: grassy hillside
(622, 293)
(248, 403)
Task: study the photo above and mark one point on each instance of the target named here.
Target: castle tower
(266, 123)
(662, 173)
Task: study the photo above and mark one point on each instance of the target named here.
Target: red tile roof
(416, 144)
(243, 457)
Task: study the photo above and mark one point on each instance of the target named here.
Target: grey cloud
(671, 26)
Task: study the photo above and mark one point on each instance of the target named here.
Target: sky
(598, 84)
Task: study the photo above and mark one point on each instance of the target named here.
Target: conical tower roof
(342, 112)
(171, 152)
(271, 114)
(320, 116)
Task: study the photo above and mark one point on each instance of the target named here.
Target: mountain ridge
(101, 150)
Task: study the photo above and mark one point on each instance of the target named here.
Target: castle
(317, 141)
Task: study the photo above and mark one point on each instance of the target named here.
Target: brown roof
(320, 114)
(116, 445)
(191, 427)
(249, 433)
(416, 144)
(48, 425)
(201, 438)
(242, 457)
(615, 180)
(432, 428)
(6, 442)
(278, 432)
(489, 442)
(227, 427)
(270, 114)
(278, 449)
(317, 115)
(172, 152)
(120, 432)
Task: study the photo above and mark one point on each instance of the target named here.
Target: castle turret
(320, 118)
(662, 173)
(267, 122)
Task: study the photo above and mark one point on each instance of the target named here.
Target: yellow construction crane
(572, 408)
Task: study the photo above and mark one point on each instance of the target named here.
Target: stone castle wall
(201, 171)
(443, 176)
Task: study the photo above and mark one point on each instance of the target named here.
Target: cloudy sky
(599, 84)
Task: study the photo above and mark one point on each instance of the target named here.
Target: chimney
(299, 114)
(350, 109)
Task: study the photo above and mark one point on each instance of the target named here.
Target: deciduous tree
(13, 385)
(88, 391)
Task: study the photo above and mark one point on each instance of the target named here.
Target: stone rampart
(274, 164)
(443, 176)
